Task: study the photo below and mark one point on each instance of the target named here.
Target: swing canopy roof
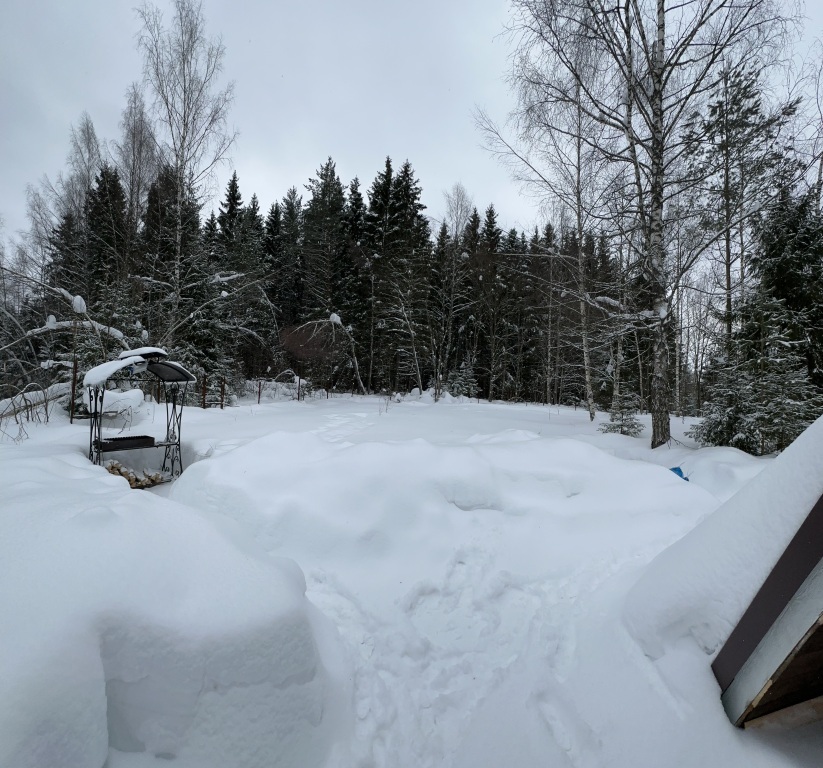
(144, 360)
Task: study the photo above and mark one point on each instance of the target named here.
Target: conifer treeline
(325, 279)
(355, 292)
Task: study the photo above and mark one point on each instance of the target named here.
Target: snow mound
(475, 559)
(454, 566)
(140, 628)
(721, 470)
(701, 585)
(370, 507)
(117, 400)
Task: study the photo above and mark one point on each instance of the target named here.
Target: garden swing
(147, 364)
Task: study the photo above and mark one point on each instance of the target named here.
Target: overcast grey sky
(357, 80)
(354, 79)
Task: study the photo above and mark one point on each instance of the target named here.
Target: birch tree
(136, 157)
(560, 153)
(182, 68)
(816, 148)
(648, 65)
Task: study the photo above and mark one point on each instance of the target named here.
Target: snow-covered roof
(754, 589)
(145, 352)
(100, 373)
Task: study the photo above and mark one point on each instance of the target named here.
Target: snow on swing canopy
(97, 376)
(145, 352)
(130, 362)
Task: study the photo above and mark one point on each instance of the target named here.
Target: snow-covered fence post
(78, 304)
(73, 389)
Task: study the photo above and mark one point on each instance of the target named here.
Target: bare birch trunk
(581, 262)
(642, 392)
(678, 406)
(661, 427)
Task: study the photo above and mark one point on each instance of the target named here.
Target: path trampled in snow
(474, 560)
(457, 549)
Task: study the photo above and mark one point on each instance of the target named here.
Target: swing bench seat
(126, 443)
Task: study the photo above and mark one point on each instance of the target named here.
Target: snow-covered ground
(358, 582)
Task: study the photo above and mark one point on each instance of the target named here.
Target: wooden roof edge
(800, 558)
(776, 649)
(791, 717)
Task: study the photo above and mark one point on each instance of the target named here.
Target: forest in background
(679, 269)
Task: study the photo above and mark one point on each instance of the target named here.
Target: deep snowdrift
(130, 622)
(479, 562)
(702, 584)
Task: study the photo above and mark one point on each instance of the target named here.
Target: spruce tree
(288, 273)
(378, 234)
(470, 339)
(274, 227)
(471, 234)
(209, 332)
(67, 256)
(231, 210)
(173, 271)
(272, 251)
(110, 295)
(762, 396)
(789, 264)
(404, 284)
(491, 292)
(106, 236)
(378, 225)
(544, 267)
(623, 415)
(324, 225)
(351, 283)
(447, 306)
(210, 241)
(252, 310)
(763, 390)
